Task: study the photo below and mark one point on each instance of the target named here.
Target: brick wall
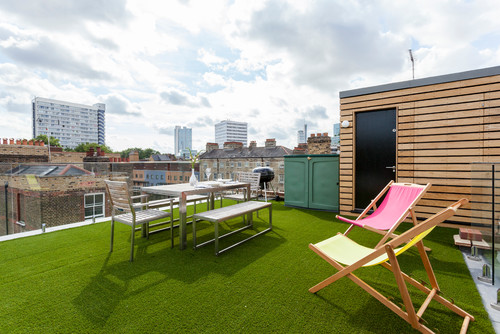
(23, 150)
(319, 144)
(52, 200)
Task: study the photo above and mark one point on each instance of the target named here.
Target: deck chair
(131, 214)
(346, 256)
(399, 202)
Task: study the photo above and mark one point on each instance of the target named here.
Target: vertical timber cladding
(444, 124)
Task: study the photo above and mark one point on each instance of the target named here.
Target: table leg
(144, 232)
(182, 221)
(211, 199)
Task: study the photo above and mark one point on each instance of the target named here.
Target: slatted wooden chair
(247, 177)
(347, 256)
(131, 214)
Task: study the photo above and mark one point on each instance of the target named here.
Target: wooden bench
(222, 214)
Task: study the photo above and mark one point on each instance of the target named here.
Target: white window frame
(93, 205)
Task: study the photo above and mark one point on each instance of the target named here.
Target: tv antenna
(412, 64)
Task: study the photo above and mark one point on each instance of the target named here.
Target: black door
(375, 153)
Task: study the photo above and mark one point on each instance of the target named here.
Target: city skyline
(269, 63)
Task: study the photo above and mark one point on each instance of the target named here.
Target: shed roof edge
(473, 74)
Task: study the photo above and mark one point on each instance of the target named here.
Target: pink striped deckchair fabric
(396, 203)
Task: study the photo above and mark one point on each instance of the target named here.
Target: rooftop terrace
(68, 282)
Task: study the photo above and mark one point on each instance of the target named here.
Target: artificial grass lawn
(68, 282)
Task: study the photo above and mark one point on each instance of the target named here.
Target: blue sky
(271, 63)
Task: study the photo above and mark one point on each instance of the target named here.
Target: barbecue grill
(266, 176)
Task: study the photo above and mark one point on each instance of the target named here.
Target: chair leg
(271, 217)
(171, 225)
(132, 243)
(194, 233)
(112, 234)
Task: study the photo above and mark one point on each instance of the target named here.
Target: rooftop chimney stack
(270, 143)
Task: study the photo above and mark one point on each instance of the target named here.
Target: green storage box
(312, 181)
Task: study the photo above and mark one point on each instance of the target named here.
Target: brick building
(49, 194)
(159, 173)
(234, 158)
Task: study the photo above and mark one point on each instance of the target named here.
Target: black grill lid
(266, 174)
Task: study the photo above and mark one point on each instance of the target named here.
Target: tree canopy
(53, 141)
(85, 147)
(143, 153)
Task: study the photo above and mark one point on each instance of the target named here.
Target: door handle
(392, 167)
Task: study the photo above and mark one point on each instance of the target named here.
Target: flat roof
(484, 72)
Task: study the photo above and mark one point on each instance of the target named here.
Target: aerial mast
(412, 64)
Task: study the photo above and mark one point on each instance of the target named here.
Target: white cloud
(271, 63)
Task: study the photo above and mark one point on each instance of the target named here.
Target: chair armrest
(139, 196)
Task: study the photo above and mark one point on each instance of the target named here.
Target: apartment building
(231, 131)
(71, 123)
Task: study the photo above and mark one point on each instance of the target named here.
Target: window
(175, 178)
(239, 164)
(282, 178)
(94, 205)
(247, 164)
(258, 164)
(214, 164)
(221, 165)
(268, 164)
(232, 164)
(281, 165)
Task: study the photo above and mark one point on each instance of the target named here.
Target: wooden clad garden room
(433, 130)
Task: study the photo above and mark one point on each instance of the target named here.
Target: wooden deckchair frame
(411, 316)
(373, 205)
